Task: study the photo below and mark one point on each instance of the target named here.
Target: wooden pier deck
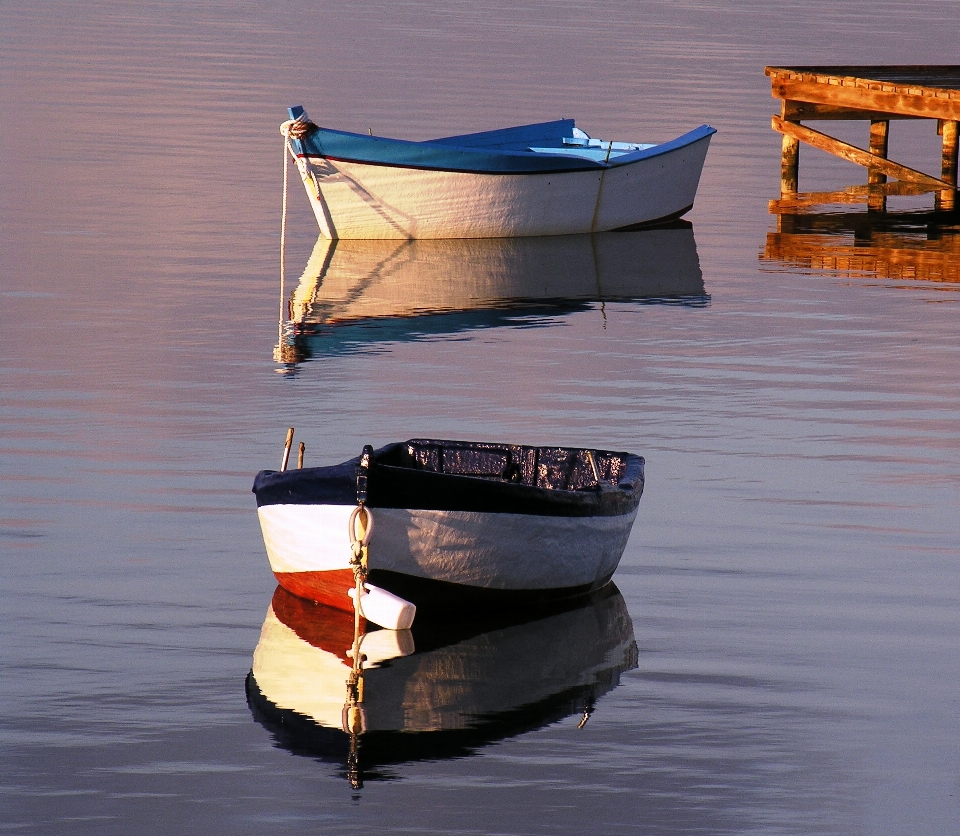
(878, 94)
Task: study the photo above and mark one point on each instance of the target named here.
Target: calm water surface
(784, 652)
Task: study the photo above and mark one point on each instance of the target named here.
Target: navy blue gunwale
(488, 152)
(530, 172)
(339, 146)
(393, 486)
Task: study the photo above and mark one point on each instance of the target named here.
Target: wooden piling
(879, 132)
(879, 136)
(947, 199)
(790, 165)
(951, 144)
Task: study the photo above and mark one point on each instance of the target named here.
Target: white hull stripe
(487, 550)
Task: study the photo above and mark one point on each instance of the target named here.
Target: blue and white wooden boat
(544, 179)
(457, 525)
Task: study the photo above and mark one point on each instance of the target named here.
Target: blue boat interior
(544, 147)
(520, 138)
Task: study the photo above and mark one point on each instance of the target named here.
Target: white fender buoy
(384, 608)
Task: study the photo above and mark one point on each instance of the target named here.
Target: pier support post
(789, 165)
(951, 144)
(879, 145)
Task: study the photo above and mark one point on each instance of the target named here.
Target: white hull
(485, 550)
(362, 200)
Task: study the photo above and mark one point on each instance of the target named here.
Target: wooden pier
(878, 94)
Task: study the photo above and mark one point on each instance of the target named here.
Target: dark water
(792, 585)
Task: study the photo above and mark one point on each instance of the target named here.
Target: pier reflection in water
(822, 232)
(357, 294)
(444, 689)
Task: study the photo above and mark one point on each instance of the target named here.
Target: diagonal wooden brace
(856, 155)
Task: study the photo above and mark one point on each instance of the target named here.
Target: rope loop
(357, 544)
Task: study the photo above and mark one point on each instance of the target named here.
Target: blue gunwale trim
(340, 146)
(457, 170)
(682, 141)
(489, 152)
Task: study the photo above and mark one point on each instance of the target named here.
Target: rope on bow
(360, 527)
(291, 129)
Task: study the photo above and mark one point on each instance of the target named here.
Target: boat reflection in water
(442, 690)
(822, 232)
(354, 293)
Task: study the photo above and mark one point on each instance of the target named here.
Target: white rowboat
(544, 179)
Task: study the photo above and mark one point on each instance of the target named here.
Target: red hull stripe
(330, 587)
(432, 597)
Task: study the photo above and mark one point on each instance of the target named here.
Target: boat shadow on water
(356, 295)
(444, 689)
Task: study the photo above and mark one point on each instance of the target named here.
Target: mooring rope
(291, 129)
(283, 223)
(353, 718)
(596, 208)
(297, 128)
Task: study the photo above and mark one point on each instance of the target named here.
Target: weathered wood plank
(854, 154)
(911, 72)
(860, 98)
(802, 111)
(942, 77)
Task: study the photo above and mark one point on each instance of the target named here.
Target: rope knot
(297, 128)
